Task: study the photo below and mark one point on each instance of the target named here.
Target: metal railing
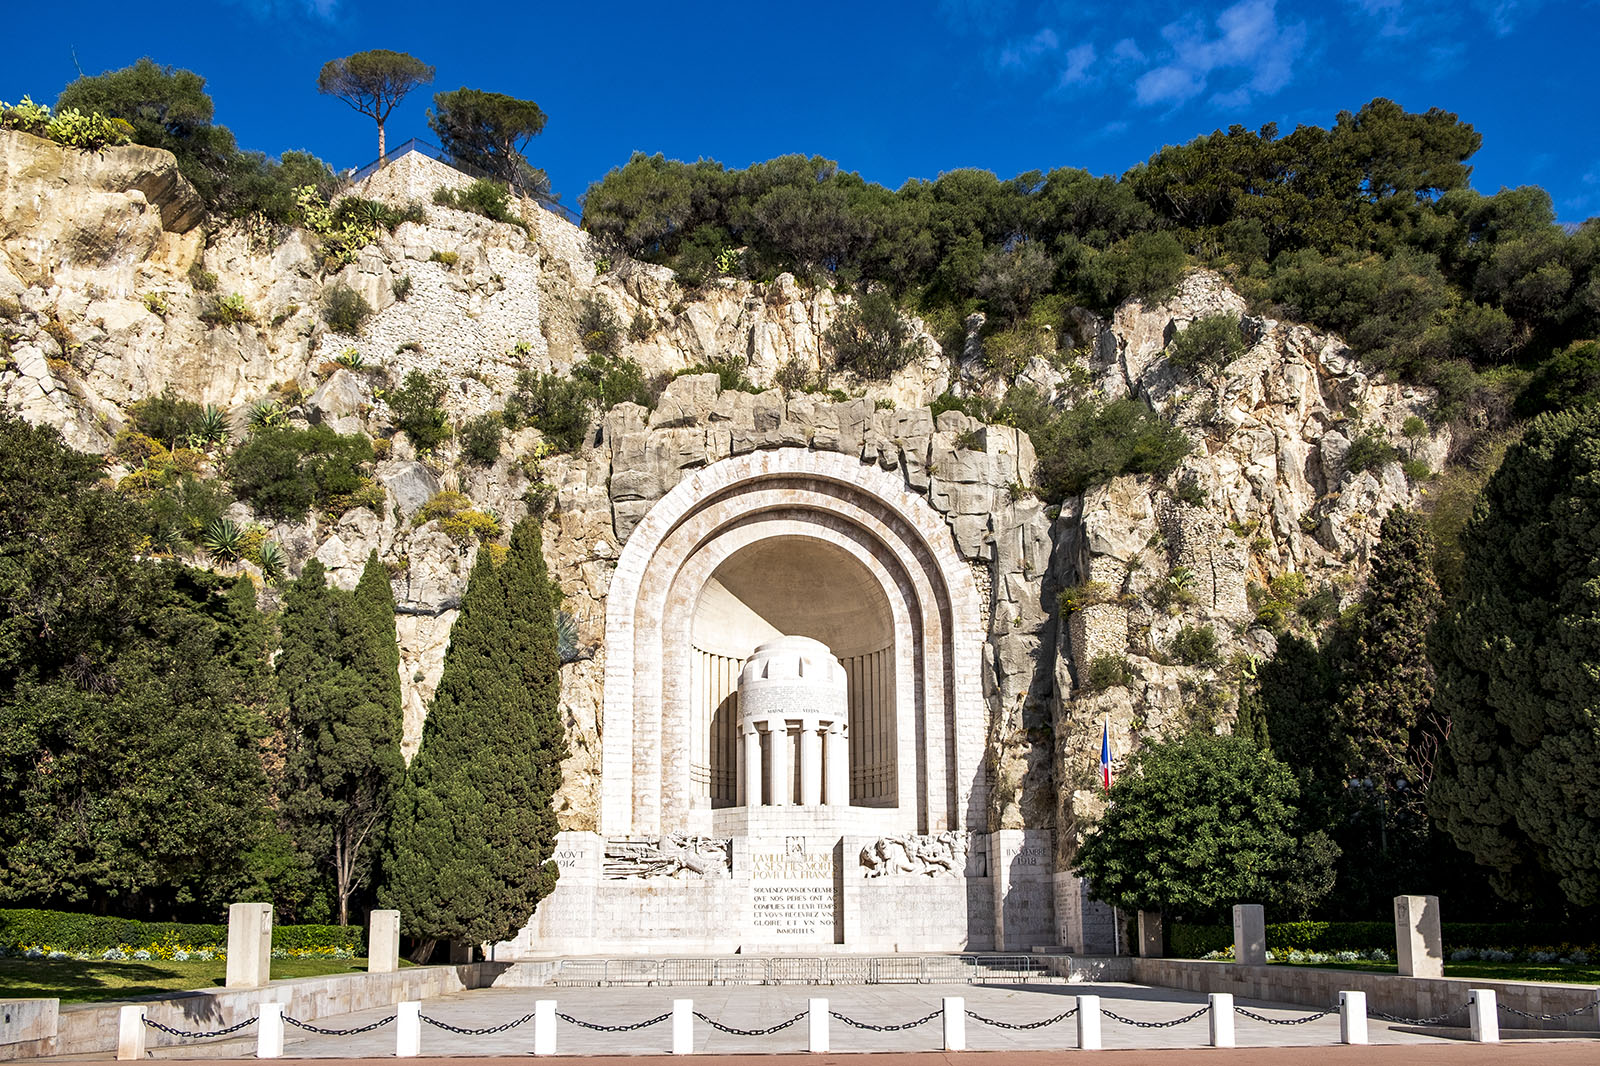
(434, 152)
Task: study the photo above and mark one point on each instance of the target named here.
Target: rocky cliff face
(100, 309)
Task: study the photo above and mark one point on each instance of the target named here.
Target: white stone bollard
(544, 1027)
(407, 1030)
(383, 942)
(1418, 947)
(1483, 1015)
(683, 1027)
(130, 1032)
(1221, 1004)
(955, 1023)
(1089, 1023)
(1249, 934)
(269, 1031)
(816, 1025)
(1352, 1017)
(249, 945)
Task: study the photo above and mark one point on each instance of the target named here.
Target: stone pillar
(1249, 934)
(130, 1032)
(778, 763)
(383, 942)
(1418, 946)
(249, 945)
(1150, 934)
(810, 765)
(836, 759)
(750, 779)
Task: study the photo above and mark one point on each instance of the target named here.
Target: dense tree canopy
(473, 829)
(1200, 823)
(1516, 654)
(488, 132)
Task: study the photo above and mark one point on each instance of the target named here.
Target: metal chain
(1155, 1025)
(768, 1031)
(614, 1028)
(1063, 1016)
(298, 1024)
(447, 1027)
(191, 1035)
(1418, 1021)
(1285, 1021)
(1573, 1013)
(886, 1028)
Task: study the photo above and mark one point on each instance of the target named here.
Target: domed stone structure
(793, 715)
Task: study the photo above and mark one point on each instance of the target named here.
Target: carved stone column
(750, 777)
(810, 764)
(836, 760)
(778, 762)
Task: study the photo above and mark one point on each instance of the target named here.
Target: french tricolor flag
(1105, 754)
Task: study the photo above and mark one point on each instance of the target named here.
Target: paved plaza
(747, 1007)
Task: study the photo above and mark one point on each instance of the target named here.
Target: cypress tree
(342, 688)
(473, 832)
(1252, 720)
(1516, 655)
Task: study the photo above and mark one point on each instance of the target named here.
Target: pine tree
(339, 676)
(1516, 655)
(473, 828)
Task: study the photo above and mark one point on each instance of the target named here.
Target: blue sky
(892, 90)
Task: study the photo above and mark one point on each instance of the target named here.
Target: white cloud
(1079, 62)
(1249, 41)
(1503, 15)
(1127, 51)
(1021, 55)
(322, 10)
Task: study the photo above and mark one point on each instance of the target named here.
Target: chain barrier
(1155, 1025)
(1436, 1020)
(1573, 1013)
(308, 1027)
(614, 1028)
(493, 1029)
(886, 1028)
(1286, 1021)
(188, 1034)
(768, 1031)
(1063, 1016)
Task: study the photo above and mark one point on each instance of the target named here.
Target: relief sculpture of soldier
(939, 854)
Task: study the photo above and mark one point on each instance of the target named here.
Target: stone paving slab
(747, 1007)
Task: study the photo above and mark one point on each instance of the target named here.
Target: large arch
(890, 535)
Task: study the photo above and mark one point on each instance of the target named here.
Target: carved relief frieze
(673, 855)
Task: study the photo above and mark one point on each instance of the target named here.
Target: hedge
(1195, 941)
(90, 932)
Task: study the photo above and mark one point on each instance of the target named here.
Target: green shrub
(284, 472)
(345, 310)
(557, 406)
(640, 328)
(202, 279)
(483, 197)
(480, 438)
(598, 326)
(1093, 441)
(1107, 671)
(457, 518)
(1207, 344)
(401, 287)
(229, 310)
(730, 375)
(1195, 646)
(446, 259)
(1413, 427)
(96, 933)
(872, 338)
(1369, 452)
(417, 412)
(167, 418)
(1186, 941)
(1417, 469)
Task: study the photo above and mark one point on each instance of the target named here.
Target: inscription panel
(793, 897)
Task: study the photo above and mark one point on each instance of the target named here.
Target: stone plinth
(1150, 935)
(249, 945)
(1418, 945)
(383, 942)
(1249, 934)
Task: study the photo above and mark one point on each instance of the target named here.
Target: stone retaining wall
(1407, 997)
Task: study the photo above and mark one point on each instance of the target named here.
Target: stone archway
(860, 517)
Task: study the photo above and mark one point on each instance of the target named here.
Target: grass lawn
(1487, 971)
(88, 982)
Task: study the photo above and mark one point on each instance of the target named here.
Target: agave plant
(223, 540)
(567, 638)
(350, 359)
(270, 558)
(268, 415)
(212, 425)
